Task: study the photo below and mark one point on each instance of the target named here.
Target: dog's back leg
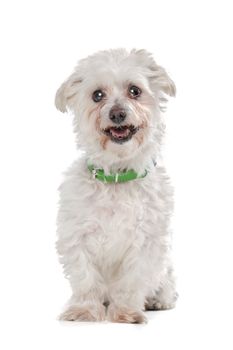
(165, 297)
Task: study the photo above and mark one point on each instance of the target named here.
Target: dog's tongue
(120, 133)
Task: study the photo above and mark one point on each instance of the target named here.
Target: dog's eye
(97, 95)
(134, 91)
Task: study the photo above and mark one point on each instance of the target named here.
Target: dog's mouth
(122, 133)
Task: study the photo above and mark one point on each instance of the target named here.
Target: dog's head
(115, 96)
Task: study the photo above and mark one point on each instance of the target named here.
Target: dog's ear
(160, 78)
(66, 94)
(156, 74)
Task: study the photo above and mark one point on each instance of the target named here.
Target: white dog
(113, 222)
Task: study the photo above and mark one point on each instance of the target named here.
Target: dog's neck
(139, 162)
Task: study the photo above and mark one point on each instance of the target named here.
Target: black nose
(117, 115)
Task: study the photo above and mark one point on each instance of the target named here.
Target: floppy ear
(160, 77)
(157, 74)
(65, 95)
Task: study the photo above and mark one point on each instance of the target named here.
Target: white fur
(114, 239)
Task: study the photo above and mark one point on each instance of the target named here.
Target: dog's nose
(117, 115)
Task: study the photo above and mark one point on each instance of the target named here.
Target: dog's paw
(161, 302)
(156, 305)
(90, 313)
(125, 315)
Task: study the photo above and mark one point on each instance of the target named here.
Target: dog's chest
(118, 213)
(119, 208)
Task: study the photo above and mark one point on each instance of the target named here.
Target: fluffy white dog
(115, 202)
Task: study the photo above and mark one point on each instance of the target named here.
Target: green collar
(122, 176)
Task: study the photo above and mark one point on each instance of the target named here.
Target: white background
(40, 44)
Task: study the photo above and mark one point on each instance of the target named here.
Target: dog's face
(115, 96)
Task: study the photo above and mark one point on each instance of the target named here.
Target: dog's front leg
(86, 303)
(126, 301)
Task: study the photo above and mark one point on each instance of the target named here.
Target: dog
(114, 240)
